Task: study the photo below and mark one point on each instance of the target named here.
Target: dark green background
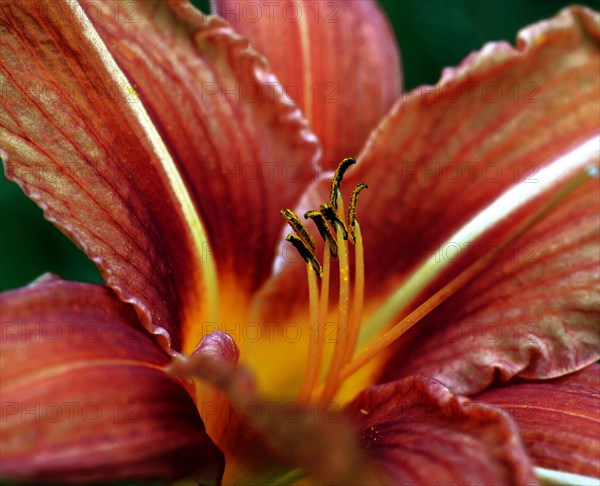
(432, 34)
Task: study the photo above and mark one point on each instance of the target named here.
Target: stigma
(338, 230)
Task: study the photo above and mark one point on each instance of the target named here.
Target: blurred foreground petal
(84, 395)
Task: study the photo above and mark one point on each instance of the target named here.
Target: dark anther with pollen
(319, 220)
(352, 209)
(299, 228)
(308, 256)
(337, 180)
(334, 219)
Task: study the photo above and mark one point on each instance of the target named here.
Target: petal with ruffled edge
(79, 143)
(558, 419)
(84, 395)
(337, 59)
(533, 314)
(244, 149)
(448, 151)
(421, 433)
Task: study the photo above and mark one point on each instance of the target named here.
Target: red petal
(419, 432)
(244, 149)
(84, 395)
(558, 419)
(446, 152)
(533, 314)
(338, 60)
(80, 144)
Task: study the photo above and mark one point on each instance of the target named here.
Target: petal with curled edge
(245, 151)
(448, 151)
(534, 313)
(420, 433)
(558, 419)
(84, 395)
(337, 59)
(77, 140)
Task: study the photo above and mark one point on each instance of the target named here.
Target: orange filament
(339, 352)
(359, 292)
(323, 307)
(316, 320)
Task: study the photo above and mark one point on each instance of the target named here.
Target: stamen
(337, 180)
(315, 346)
(298, 227)
(352, 209)
(359, 293)
(337, 361)
(305, 252)
(324, 231)
(335, 220)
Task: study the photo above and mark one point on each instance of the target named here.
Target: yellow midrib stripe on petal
(208, 294)
(506, 204)
(75, 365)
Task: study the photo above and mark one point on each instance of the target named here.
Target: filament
(339, 352)
(359, 292)
(315, 346)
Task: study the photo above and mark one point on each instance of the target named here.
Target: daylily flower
(165, 146)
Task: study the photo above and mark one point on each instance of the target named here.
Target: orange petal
(558, 419)
(422, 434)
(84, 395)
(337, 59)
(533, 314)
(244, 149)
(79, 143)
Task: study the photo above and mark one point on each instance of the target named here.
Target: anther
(297, 225)
(324, 230)
(352, 209)
(337, 179)
(334, 219)
(306, 253)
